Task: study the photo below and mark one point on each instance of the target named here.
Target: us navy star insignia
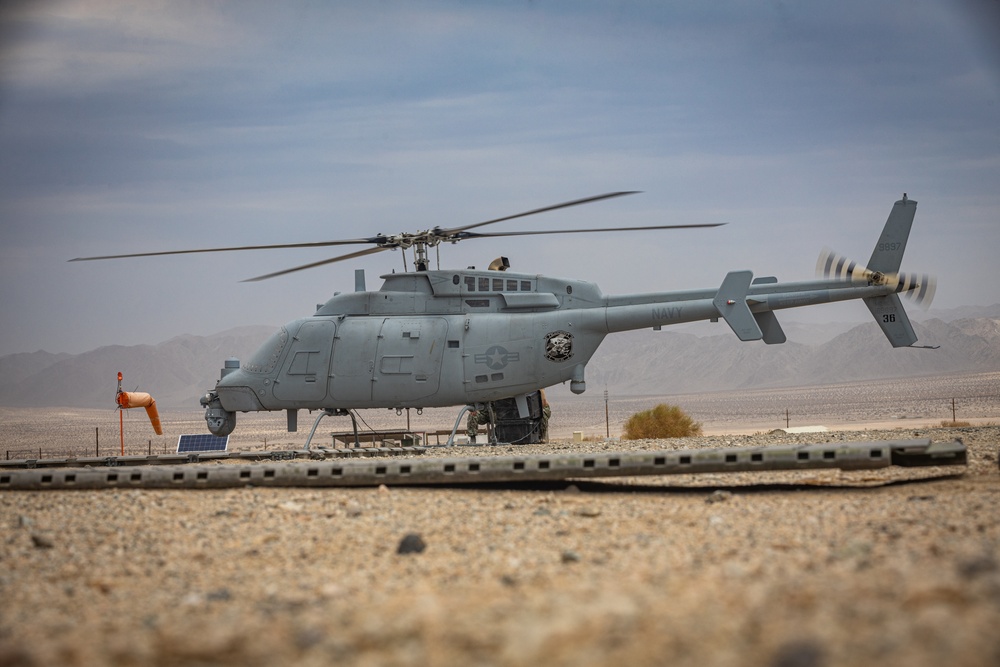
(497, 357)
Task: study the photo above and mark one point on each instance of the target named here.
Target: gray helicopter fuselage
(444, 338)
(426, 339)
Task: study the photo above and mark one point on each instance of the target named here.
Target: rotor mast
(419, 243)
(420, 261)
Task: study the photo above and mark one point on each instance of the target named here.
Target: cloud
(187, 124)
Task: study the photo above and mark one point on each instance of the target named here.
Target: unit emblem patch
(558, 345)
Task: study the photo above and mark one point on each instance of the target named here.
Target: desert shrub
(947, 423)
(663, 421)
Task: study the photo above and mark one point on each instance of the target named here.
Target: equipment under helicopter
(439, 338)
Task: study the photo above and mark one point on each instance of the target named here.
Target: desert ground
(897, 566)
(898, 403)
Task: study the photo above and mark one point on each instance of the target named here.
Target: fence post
(953, 417)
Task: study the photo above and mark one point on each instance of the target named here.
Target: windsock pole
(136, 399)
(121, 417)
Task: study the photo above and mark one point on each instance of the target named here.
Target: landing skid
(336, 412)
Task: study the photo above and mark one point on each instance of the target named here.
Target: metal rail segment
(491, 469)
(207, 457)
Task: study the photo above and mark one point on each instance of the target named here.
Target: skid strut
(331, 412)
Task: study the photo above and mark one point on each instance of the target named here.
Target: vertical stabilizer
(888, 253)
(888, 312)
(731, 302)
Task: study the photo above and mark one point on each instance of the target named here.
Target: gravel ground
(894, 567)
(909, 403)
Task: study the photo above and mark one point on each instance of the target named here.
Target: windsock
(138, 399)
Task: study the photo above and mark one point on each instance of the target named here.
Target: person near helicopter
(543, 426)
(480, 416)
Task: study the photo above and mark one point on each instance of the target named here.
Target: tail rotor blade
(834, 265)
(919, 288)
(824, 265)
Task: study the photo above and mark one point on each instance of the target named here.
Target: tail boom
(748, 305)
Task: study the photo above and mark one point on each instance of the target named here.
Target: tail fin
(888, 253)
(886, 258)
(883, 269)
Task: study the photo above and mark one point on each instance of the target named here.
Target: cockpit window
(265, 359)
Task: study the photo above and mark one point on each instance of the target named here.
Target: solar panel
(201, 442)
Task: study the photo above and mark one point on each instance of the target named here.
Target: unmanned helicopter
(466, 337)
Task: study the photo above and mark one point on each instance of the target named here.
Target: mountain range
(179, 371)
(658, 363)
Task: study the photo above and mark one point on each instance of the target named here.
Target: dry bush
(947, 423)
(663, 421)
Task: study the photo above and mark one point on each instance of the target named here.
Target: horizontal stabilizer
(731, 302)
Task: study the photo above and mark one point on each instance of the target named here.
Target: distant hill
(651, 363)
(176, 372)
(16, 367)
(179, 371)
(960, 313)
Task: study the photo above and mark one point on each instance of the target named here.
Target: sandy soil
(825, 569)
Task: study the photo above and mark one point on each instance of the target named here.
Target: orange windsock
(138, 399)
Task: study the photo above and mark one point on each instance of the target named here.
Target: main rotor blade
(316, 244)
(359, 253)
(479, 235)
(575, 202)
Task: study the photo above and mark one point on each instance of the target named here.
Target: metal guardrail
(337, 472)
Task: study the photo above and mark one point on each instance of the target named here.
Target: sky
(134, 127)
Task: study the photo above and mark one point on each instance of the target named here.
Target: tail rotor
(918, 287)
